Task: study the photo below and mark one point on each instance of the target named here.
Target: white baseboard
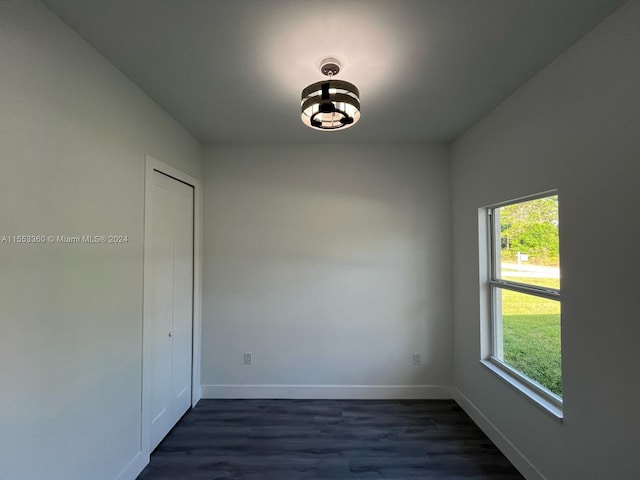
(515, 456)
(346, 392)
(134, 467)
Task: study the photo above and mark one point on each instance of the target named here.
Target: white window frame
(541, 396)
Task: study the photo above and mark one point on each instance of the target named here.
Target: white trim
(526, 198)
(547, 401)
(527, 289)
(134, 467)
(151, 165)
(515, 456)
(346, 392)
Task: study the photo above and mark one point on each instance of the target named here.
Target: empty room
(295, 239)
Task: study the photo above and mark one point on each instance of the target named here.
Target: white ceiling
(231, 71)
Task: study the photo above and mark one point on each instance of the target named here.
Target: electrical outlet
(416, 359)
(247, 358)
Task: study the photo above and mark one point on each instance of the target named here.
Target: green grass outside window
(531, 335)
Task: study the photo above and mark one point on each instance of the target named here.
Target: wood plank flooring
(327, 439)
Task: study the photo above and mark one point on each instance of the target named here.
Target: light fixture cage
(330, 104)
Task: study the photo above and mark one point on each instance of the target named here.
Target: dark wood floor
(327, 439)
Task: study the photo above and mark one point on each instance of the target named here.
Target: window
(524, 288)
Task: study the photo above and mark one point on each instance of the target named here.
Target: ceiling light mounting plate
(330, 66)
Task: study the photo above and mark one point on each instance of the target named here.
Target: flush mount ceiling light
(330, 104)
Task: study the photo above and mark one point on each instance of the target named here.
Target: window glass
(525, 292)
(529, 242)
(531, 337)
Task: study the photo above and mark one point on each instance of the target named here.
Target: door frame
(151, 165)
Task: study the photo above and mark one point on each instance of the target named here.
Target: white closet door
(171, 319)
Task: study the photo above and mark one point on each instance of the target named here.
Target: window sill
(539, 400)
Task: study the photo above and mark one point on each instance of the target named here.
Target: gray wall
(73, 137)
(331, 264)
(575, 127)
